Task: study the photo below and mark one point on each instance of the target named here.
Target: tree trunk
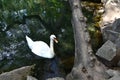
(86, 65)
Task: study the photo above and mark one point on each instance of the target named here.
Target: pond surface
(14, 52)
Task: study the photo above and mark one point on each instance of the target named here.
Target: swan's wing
(40, 48)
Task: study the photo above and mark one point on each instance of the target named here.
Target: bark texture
(86, 65)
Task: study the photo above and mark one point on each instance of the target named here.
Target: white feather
(40, 48)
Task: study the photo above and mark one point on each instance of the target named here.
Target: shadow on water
(48, 68)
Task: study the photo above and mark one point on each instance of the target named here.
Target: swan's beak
(56, 40)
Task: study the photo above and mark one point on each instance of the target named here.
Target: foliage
(93, 22)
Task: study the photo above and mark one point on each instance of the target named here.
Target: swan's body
(40, 48)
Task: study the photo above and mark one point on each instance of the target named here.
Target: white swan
(40, 48)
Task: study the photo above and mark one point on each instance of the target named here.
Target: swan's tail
(29, 41)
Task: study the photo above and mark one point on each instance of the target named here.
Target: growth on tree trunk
(86, 65)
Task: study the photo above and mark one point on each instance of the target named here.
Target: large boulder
(112, 73)
(109, 54)
(56, 78)
(110, 27)
(115, 78)
(112, 11)
(107, 51)
(111, 35)
(111, 20)
(31, 78)
(116, 25)
(17, 74)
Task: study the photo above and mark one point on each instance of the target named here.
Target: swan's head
(53, 37)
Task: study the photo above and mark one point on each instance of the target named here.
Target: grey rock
(116, 25)
(110, 27)
(117, 42)
(113, 72)
(111, 35)
(115, 78)
(111, 20)
(56, 78)
(112, 11)
(107, 51)
(17, 74)
(31, 78)
(112, 32)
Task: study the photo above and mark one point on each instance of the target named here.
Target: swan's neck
(52, 46)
